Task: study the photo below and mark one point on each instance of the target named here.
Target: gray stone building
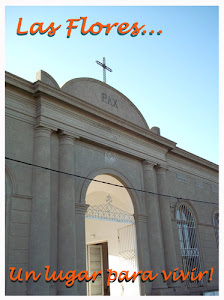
(68, 222)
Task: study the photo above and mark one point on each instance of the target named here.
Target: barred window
(216, 227)
(188, 243)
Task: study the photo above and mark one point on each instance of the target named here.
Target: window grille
(188, 244)
(126, 239)
(216, 227)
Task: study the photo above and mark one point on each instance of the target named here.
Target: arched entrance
(110, 236)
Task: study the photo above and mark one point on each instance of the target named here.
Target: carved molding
(110, 157)
(81, 208)
(148, 165)
(161, 169)
(42, 131)
(141, 218)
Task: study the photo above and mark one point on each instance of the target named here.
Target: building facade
(55, 218)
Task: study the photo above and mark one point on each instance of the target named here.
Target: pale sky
(172, 78)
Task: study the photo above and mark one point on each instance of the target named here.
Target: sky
(172, 78)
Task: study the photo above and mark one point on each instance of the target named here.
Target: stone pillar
(166, 224)
(39, 250)
(80, 210)
(154, 227)
(66, 213)
(141, 221)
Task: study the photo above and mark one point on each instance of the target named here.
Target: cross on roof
(104, 68)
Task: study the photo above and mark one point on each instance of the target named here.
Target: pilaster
(80, 210)
(154, 225)
(66, 212)
(141, 223)
(39, 250)
(166, 224)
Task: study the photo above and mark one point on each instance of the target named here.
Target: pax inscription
(109, 100)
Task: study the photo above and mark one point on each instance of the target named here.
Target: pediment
(105, 97)
(99, 94)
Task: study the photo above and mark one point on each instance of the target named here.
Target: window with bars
(188, 243)
(216, 227)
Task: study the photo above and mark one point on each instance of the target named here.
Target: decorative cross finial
(104, 68)
(109, 200)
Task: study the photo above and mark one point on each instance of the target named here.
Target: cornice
(104, 115)
(19, 82)
(190, 156)
(38, 89)
(114, 134)
(192, 174)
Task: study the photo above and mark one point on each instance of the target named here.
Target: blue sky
(171, 78)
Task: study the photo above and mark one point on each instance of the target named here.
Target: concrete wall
(102, 144)
(199, 184)
(19, 144)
